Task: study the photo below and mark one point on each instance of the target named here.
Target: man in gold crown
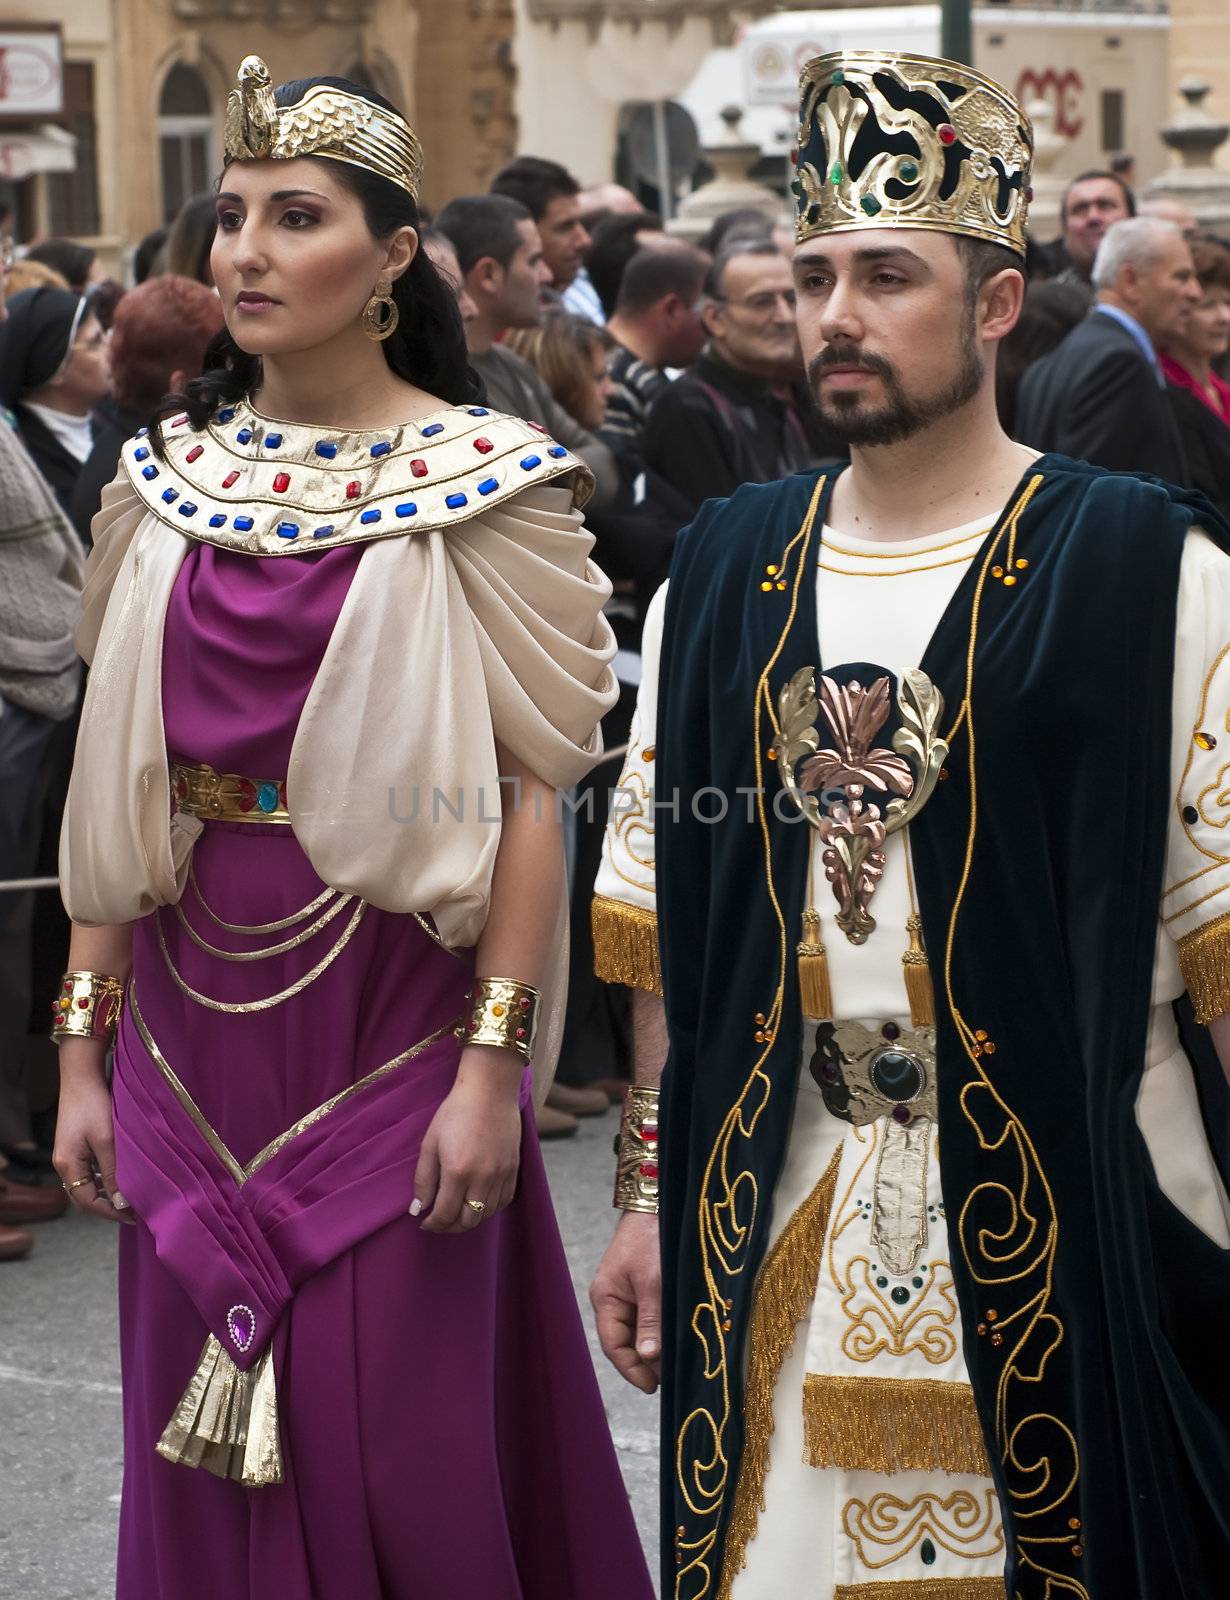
(921, 835)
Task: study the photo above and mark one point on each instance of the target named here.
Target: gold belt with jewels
(225, 797)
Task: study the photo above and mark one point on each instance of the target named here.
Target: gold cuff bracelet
(88, 1007)
(503, 1015)
(636, 1147)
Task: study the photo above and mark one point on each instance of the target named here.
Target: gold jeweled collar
(269, 488)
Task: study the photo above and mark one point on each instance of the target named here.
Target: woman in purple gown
(341, 662)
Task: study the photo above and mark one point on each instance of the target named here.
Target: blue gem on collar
(381, 449)
(227, 414)
(407, 509)
(187, 509)
(243, 436)
(455, 502)
(288, 530)
(557, 450)
(432, 428)
(326, 448)
(323, 533)
(141, 432)
(273, 441)
(267, 797)
(489, 486)
(218, 520)
(141, 454)
(170, 494)
(149, 472)
(370, 516)
(528, 463)
(243, 523)
(479, 411)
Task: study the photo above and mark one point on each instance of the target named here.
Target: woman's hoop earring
(380, 314)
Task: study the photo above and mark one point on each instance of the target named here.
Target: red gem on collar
(281, 482)
(354, 489)
(197, 450)
(231, 477)
(483, 446)
(419, 468)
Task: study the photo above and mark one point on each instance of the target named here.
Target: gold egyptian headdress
(325, 122)
(905, 141)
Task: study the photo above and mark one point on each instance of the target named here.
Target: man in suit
(1100, 396)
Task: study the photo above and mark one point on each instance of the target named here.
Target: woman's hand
(473, 1147)
(85, 1139)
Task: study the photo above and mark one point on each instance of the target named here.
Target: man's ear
(1000, 300)
(485, 277)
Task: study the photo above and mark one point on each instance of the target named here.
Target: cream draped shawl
(448, 641)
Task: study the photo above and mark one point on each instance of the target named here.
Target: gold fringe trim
(786, 1287)
(815, 989)
(626, 944)
(892, 1425)
(227, 1421)
(1204, 957)
(925, 1589)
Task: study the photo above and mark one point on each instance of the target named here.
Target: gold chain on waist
(243, 1007)
(292, 943)
(256, 927)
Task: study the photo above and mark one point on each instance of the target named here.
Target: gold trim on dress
(626, 944)
(293, 943)
(241, 1173)
(891, 1425)
(227, 1421)
(784, 1290)
(925, 1589)
(1204, 959)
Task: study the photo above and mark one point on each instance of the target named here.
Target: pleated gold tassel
(784, 1290)
(918, 985)
(815, 990)
(892, 1425)
(227, 1421)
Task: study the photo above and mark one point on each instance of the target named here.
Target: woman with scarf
(53, 372)
(345, 644)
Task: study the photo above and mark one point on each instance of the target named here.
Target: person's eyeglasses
(765, 303)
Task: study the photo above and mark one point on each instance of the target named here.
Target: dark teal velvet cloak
(1111, 1443)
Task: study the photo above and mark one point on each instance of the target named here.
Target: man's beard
(852, 420)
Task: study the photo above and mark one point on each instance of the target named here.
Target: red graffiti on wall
(1062, 89)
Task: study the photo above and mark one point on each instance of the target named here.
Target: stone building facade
(146, 83)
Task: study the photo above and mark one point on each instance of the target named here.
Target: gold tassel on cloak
(815, 989)
(227, 1421)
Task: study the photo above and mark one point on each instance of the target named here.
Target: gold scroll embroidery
(965, 1523)
(1038, 1452)
(890, 1425)
(784, 1291)
(729, 1193)
(625, 944)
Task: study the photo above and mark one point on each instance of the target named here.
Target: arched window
(185, 138)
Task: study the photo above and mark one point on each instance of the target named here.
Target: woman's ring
(476, 1206)
(77, 1182)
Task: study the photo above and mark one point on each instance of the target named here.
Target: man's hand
(626, 1295)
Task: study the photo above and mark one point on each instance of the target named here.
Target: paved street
(59, 1389)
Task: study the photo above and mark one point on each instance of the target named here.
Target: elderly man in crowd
(1101, 396)
(500, 254)
(733, 418)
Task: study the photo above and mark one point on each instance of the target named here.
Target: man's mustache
(847, 355)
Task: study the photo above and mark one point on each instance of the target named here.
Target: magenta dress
(441, 1424)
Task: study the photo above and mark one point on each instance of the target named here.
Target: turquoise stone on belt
(267, 797)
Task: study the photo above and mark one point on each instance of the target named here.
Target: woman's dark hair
(428, 348)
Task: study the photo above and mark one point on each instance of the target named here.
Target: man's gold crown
(326, 122)
(888, 140)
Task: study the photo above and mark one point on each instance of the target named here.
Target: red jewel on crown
(197, 450)
(419, 468)
(947, 133)
(231, 477)
(281, 482)
(354, 489)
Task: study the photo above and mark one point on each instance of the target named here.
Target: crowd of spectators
(671, 368)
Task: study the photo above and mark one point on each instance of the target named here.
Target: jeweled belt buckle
(865, 1076)
(224, 797)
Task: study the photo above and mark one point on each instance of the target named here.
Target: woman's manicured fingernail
(416, 1206)
(118, 1201)
(647, 1348)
